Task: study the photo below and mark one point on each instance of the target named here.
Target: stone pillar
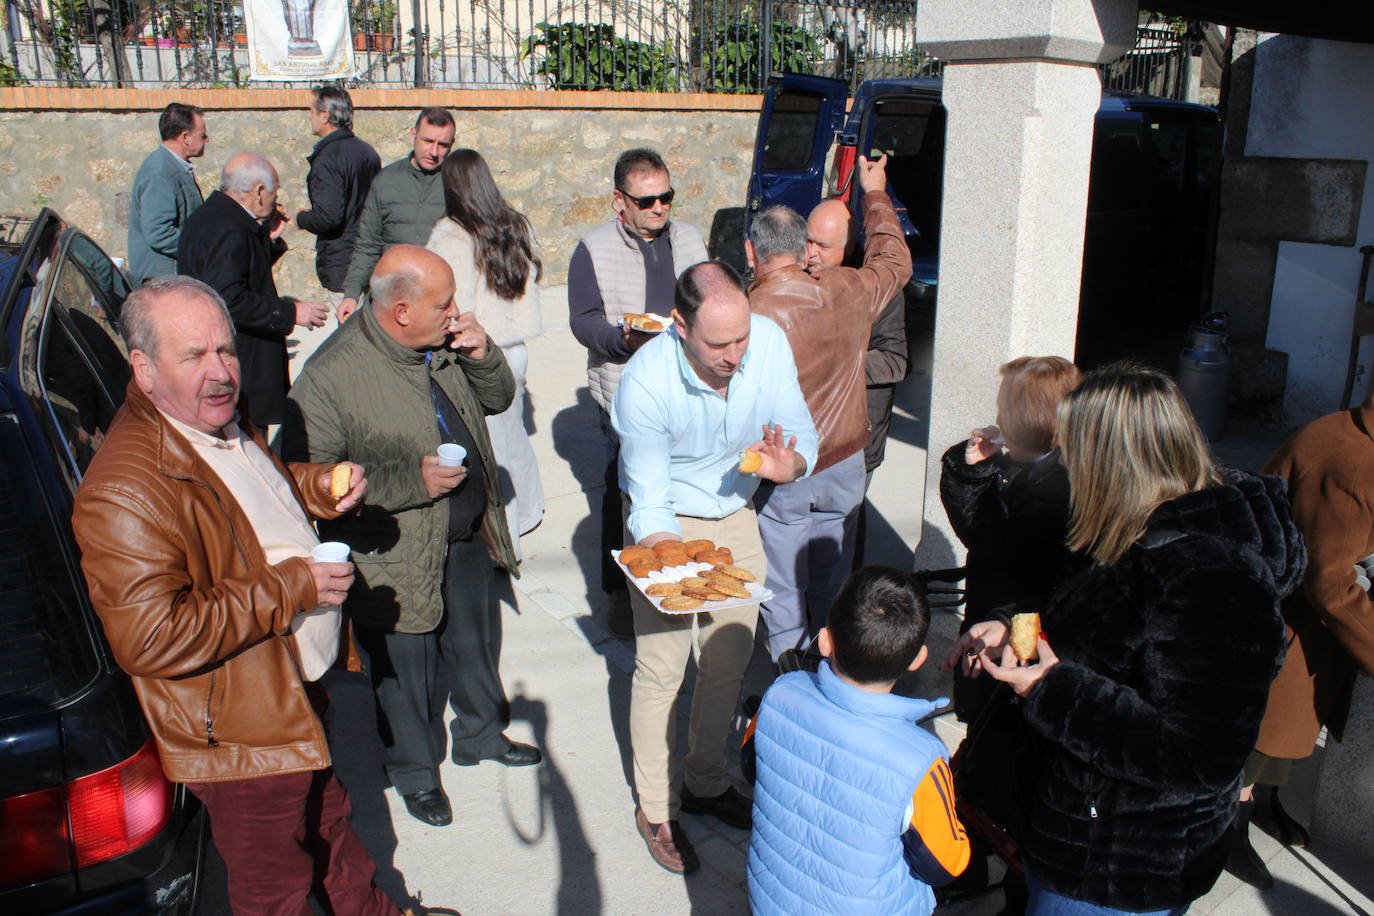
(1345, 785)
(1021, 90)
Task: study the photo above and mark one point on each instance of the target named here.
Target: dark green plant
(10, 76)
(1176, 24)
(63, 37)
(373, 17)
(591, 56)
(732, 61)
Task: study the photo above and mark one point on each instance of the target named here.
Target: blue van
(1151, 195)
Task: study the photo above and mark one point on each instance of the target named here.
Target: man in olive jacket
(404, 202)
(386, 389)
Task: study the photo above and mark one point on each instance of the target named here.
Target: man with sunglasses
(626, 265)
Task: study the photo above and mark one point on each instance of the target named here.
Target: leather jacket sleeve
(313, 489)
(887, 260)
(158, 623)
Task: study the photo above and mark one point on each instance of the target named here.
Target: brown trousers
(283, 836)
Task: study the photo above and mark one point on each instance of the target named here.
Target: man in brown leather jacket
(195, 543)
(808, 526)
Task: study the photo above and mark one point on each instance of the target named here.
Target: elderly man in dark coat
(230, 244)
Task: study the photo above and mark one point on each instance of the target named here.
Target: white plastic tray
(757, 592)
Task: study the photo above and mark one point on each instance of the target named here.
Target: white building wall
(1311, 99)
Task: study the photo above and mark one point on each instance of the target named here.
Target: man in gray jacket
(405, 201)
(389, 387)
(165, 193)
(628, 264)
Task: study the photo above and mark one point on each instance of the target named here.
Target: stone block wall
(552, 164)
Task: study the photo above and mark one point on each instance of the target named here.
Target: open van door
(904, 120)
(801, 116)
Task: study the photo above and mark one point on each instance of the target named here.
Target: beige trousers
(724, 643)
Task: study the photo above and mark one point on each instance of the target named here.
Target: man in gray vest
(165, 193)
(628, 264)
(404, 202)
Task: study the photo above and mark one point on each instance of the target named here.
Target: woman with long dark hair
(495, 261)
(1139, 721)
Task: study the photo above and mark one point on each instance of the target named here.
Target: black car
(88, 821)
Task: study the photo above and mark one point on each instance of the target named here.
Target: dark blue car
(1150, 195)
(88, 822)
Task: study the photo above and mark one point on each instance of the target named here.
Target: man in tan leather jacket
(809, 526)
(195, 543)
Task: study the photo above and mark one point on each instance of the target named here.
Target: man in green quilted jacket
(406, 375)
(405, 201)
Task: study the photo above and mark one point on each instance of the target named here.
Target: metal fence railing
(645, 45)
(1157, 65)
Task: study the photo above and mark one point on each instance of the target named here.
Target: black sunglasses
(647, 200)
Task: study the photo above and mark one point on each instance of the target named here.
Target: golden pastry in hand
(1025, 633)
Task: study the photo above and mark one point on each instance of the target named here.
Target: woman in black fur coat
(1141, 716)
(1007, 497)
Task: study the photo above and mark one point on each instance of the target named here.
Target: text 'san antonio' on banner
(298, 39)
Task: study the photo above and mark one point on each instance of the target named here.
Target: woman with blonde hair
(1007, 498)
(496, 269)
(1139, 720)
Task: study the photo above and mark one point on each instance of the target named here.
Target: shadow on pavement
(1286, 898)
(579, 888)
(619, 657)
(578, 440)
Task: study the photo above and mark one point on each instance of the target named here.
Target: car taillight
(117, 810)
(87, 821)
(33, 837)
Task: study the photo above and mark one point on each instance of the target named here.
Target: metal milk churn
(1204, 369)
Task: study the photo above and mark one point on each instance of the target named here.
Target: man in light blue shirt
(688, 403)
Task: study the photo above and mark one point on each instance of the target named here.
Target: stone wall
(553, 165)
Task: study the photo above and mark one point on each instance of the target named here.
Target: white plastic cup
(451, 455)
(331, 552)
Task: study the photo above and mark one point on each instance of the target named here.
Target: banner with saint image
(298, 39)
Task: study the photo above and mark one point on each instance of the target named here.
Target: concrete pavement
(560, 838)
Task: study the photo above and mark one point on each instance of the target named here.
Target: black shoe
(620, 617)
(729, 806)
(515, 755)
(1242, 860)
(431, 807)
(1291, 833)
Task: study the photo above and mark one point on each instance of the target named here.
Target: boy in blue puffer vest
(854, 802)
